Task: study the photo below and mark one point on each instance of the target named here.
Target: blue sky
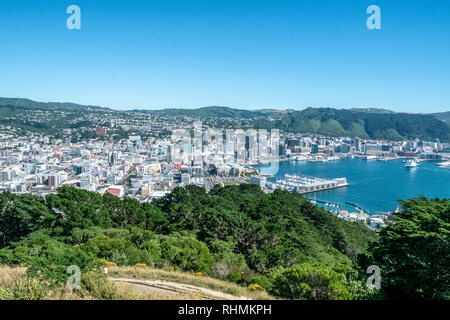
(243, 54)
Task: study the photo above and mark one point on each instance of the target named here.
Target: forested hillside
(277, 242)
(27, 103)
(388, 126)
(364, 123)
(211, 112)
(236, 233)
(444, 116)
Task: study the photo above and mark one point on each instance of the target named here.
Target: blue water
(374, 185)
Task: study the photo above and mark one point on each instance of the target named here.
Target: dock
(327, 203)
(304, 184)
(358, 207)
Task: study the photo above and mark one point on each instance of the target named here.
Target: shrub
(26, 288)
(105, 262)
(309, 281)
(256, 287)
(48, 257)
(119, 258)
(186, 253)
(98, 286)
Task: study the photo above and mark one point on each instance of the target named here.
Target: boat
(444, 165)
(411, 164)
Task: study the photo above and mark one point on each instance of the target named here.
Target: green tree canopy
(413, 252)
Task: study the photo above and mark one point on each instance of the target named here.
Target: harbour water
(375, 186)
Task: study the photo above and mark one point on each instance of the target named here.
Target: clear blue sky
(238, 53)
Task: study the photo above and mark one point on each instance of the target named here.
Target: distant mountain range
(371, 110)
(219, 112)
(363, 122)
(27, 103)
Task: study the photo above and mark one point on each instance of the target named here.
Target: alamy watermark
(374, 280)
(374, 20)
(227, 146)
(74, 20)
(74, 280)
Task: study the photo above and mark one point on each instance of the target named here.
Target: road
(174, 288)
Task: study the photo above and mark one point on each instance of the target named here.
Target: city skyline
(238, 54)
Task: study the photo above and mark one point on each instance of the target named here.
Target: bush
(186, 253)
(309, 281)
(98, 286)
(103, 246)
(256, 287)
(26, 288)
(118, 258)
(48, 257)
(105, 262)
(229, 265)
(152, 252)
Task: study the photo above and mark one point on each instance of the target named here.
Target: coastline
(374, 185)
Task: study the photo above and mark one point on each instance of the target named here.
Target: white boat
(445, 165)
(411, 164)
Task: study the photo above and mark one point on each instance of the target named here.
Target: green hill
(27, 103)
(214, 112)
(237, 233)
(444, 116)
(389, 126)
(365, 123)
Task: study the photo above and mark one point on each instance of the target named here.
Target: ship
(411, 164)
(445, 165)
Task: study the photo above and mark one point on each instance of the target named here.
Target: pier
(303, 184)
(327, 203)
(358, 207)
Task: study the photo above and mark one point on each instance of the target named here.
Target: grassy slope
(15, 285)
(189, 279)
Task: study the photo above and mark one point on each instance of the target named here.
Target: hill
(387, 126)
(126, 283)
(444, 116)
(372, 110)
(365, 123)
(215, 112)
(236, 233)
(234, 241)
(30, 104)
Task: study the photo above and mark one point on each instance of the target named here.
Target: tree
(413, 251)
(186, 253)
(309, 281)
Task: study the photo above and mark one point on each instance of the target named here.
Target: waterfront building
(259, 180)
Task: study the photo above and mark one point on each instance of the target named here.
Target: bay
(374, 185)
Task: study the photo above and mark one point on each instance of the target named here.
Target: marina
(305, 184)
(374, 186)
(326, 203)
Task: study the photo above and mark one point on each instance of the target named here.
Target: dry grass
(14, 280)
(127, 291)
(9, 275)
(11, 278)
(189, 279)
